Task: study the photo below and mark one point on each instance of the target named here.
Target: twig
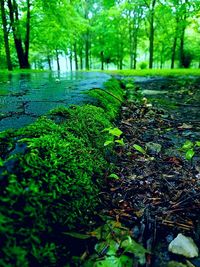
(107, 93)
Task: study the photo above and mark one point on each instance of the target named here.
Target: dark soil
(158, 193)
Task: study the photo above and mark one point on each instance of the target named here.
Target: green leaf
(187, 145)
(139, 148)
(120, 141)
(108, 143)
(102, 248)
(77, 235)
(126, 261)
(114, 176)
(108, 262)
(189, 154)
(106, 130)
(197, 143)
(1, 162)
(113, 247)
(131, 246)
(115, 131)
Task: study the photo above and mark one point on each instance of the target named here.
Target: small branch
(107, 93)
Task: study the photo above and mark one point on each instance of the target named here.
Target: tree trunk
(81, 58)
(57, 60)
(87, 64)
(161, 57)
(5, 33)
(135, 51)
(182, 54)
(14, 19)
(71, 60)
(131, 41)
(75, 56)
(182, 37)
(49, 62)
(151, 34)
(102, 60)
(27, 38)
(121, 63)
(173, 52)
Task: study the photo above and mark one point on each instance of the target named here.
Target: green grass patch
(21, 71)
(156, 72)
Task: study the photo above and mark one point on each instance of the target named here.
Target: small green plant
(115, 247)
(114, 137)
(139, 149)
(143, 65)
(189, 149)
(114, 176)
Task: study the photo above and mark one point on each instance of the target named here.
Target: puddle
(154, 92)
(24, 97)
(179, 96)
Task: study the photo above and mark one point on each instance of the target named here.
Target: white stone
(183, 245)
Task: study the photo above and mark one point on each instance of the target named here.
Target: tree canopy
(100, 34)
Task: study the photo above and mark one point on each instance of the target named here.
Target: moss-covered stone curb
(50, 175)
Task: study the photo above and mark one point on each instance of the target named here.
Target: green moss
(86, 122)
(110, 98)
(50, 175)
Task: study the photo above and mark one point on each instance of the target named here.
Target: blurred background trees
(88, 34)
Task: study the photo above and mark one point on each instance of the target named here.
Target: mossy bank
(50, 174)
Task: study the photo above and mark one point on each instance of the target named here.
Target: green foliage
(189, 148)
(115, 247)
(139, 149)
(111, 32)
(156, 72)
(113, 134)
(143, 65)
(113, 176)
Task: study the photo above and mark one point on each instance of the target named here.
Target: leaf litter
(157, 194)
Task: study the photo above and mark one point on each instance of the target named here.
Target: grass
(18, 71)
(156, 72)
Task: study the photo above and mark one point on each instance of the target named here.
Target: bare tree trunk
(71, 60)
(173, 52)
(87, 64)
(5, 33)
(182, 37)
(75, 56)
(121, 63)
(14, 19)
(182, 53)
(135, 51)
(102, 60)
(49, 62)
(151, 34)
(57, 60)
(130, 40)
(81, 58)
(27, 38)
